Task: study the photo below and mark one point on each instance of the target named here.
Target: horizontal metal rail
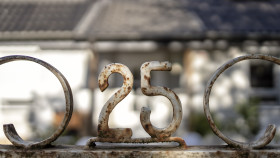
(69, 151)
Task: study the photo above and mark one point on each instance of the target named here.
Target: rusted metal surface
(270, 130)
(149, 90)
(142, 152)
(123, 135)
(9, 129)
(106, 134)
(103, 128)
(180, 141)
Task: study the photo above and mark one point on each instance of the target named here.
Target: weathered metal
(270, 130)
(181, 143)
(69, 151)
(103, 128)
(106, 134)
(149, 90)
(10, 130)
(123, 135)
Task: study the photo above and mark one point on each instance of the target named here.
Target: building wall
(200, 65)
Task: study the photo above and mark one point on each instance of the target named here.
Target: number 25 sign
(123, 135)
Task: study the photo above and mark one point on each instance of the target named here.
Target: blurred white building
(80, 37)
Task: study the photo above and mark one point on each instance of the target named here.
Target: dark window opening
(265, 100)
(261, 75)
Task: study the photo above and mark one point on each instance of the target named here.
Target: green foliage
(247, 111)
(197, 122)
(250, 112)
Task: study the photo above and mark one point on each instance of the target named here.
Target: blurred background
(80, 37)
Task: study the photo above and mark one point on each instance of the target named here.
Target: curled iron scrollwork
(270, 130)
(10, 130)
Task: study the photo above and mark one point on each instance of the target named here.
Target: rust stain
(166, 89)
(176, 96)
(144, 89)
(147, 64)
(146, 78)
(129, 88)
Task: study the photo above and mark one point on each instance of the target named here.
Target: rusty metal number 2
(123, 135)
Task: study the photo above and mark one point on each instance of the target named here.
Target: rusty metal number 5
(149, 90)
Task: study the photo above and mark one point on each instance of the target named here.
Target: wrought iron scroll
(105, 134)
(10, 130)
(270, 130)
